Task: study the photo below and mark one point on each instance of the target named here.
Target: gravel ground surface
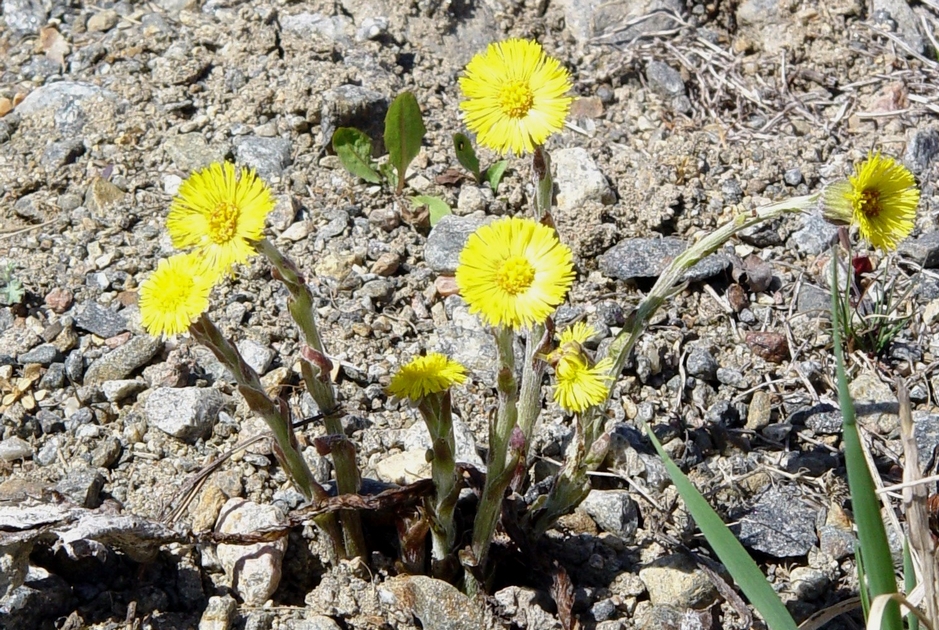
(688, 113)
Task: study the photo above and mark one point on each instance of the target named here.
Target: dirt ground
(693, 112)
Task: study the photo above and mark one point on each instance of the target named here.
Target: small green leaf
(404, 131)
(466, 154)
(437, 208)
(388, 173)
(354, 149)
(494, 174)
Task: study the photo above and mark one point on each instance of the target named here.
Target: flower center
(515, 275)
(515, 99)
(870, 203)
(223, 223)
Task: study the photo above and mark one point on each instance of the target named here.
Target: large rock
(254, 570)
(186, 413)
(579, 180)
(606, 21)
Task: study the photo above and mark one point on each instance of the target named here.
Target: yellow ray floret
(514, 272)
(515, 96)
(426, 375)
(175, 294)
(880, 199)
(219, 212)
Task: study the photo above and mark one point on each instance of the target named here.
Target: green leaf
(874, 549)
(494, 174)
(404, 131)
(732, 554)
(388, 173)
(437, 207)
(466, 155)
(354, 149)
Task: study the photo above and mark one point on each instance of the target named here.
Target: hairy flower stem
(316, 367)
(277, 417)
(436, 411)
(490, 504)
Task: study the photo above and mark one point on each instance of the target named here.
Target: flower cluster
(580, 383)
(430, 374)
(217, 216)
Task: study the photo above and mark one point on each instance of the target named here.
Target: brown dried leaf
(53, 44)
(737, 298)
(562, 590)
(450, 177)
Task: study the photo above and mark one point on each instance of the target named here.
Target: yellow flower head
(514, 272)
(219, 212)
(515, 96)
(880, 199)
(175, 294)
(426, 375)
(580, 384)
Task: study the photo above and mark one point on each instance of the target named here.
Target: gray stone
(676, 580)
(664, 80)
(43, 354)
(417, 437)
(75, 366)
(186, 413)
(268, 156)
(379, 291)
(336, 28)
(123, 360)
(875, 404)
(836, 542)
(823, 419)
(815, 236)
(435, 603)
(82, 487)
(190, 152)
(30, 207)
(121, 389)
(732, 377)
(921, 150)
(731, 191)
(923, 249)
(256, 355)
(254, 570)
(106, 453)
(447, 239)
(42, 598)
(759, 411)
(15, 448)
(701, 364)
(219, 613)
(352, 106)
(473, 199)
(649, 257)
(780, 523)
(49, 452)
(613, 511)
(61, 153)
(926, 434)
(897, 15)
(615, 22)
(50, 421)
(25, 17)
(813, 299)
(372, 28)
(59, 95)
(525, 608)
(579, 180)
(808, 583)
(316, 622)
(102, 21)
(100, 320)
(793, 176)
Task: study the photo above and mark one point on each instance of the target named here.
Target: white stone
(254, 570)
(579, 180)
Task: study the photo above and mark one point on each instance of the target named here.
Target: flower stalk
(315, 367)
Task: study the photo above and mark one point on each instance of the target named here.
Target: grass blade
(872, 536)
(732, 554)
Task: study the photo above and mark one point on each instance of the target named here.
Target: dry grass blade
(822, 617)
(879, 605)
(917, 515)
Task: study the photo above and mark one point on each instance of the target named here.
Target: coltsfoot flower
(426, 375)
(514, 272)
(515, 96)
(880, 199)
(580, 383)
(219, 212)
(175, 294)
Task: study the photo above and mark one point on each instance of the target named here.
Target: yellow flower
(515, 96)
(175, 294)
(219, 213)
(880, 199)
(426, 375)
(514, 272)
(580, 384)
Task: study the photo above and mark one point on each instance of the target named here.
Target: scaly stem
(436, 410)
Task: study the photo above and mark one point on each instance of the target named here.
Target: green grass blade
(872, 537)
(404, 132)
(732, 554)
